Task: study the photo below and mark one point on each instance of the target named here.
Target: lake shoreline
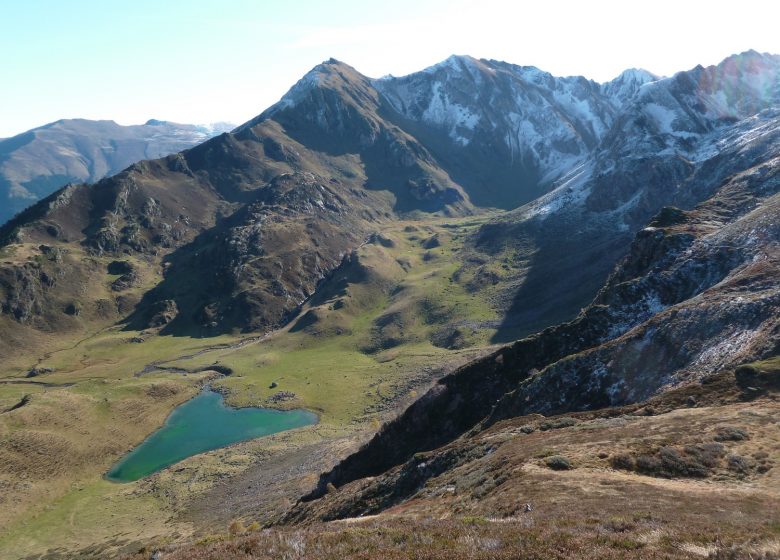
(201, 424)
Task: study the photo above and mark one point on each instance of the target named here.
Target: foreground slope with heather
(689, 474)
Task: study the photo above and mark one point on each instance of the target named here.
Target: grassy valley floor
(400, 312)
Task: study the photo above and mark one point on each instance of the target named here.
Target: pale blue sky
(210, 60)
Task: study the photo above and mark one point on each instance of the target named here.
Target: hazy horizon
(205, 62)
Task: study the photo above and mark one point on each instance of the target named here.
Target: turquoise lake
(202, 424)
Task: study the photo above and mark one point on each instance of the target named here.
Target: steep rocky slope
(691, 473)
(697, 293)
(37, 162)
(673, 144)
(506, 132)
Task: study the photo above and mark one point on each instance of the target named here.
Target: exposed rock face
(669, 146)
(120, 267)
(128, 275)
(691, 298)
(506, 132)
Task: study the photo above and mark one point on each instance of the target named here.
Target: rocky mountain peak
(750, 60)
(458, 65)
(684, 115)
(627, 84)
(329, 75)
(740, 86)
(332, 98)
(536, 126)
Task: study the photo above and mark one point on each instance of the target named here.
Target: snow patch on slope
(718, 354)
(582, 109)
(455, 117)
(663, 117)
(313, 78)
(571, 192)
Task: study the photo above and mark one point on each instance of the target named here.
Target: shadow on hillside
(566, 271)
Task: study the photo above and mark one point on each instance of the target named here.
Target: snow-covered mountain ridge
(508, 134)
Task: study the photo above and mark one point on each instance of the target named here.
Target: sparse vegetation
(693, 461)
(558, 463)
(472, 539)
(558, 423)
(236, 527)
(730, 433)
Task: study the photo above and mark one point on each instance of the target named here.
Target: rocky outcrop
(265, 260)
(161, 313)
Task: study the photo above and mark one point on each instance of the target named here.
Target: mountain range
(37, 162)
(477, 274)
(274, 206)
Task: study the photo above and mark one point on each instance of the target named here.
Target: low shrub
(557, 423)
(623, 461)
(558, 463)
(739, 464)
(619, 525)
(731, 433)
(692, 461)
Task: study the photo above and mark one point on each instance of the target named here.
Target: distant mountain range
(35, 163)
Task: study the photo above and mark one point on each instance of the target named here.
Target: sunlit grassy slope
(396, 315)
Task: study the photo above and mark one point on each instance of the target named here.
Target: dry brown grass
(518, 538)
(65, 436)
(506, 501)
